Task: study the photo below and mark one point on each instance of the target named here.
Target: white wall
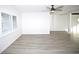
(8, 38)
(52, 23)
(35, 23)
(59, 22)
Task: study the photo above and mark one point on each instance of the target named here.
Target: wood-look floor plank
(56, 42)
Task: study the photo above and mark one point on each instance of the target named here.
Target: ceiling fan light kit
(52, 11)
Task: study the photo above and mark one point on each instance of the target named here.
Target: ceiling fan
(52, 8)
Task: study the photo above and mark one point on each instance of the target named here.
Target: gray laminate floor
(56, 42)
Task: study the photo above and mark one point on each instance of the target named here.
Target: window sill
(6, 33)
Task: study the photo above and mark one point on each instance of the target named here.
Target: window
(7, 23)
(14, 22)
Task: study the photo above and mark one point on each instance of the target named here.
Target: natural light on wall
(78, 26)
(66, 30)
(75, 28)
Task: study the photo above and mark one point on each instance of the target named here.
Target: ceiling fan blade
(58, 10)
(59, 7)
(48, 8)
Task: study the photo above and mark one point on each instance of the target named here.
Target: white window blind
(6, 23)
(14, 22)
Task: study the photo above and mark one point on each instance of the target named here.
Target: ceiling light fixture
(52, 11)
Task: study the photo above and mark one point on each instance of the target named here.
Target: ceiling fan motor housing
(52, 8)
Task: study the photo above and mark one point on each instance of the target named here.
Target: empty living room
(39, 29)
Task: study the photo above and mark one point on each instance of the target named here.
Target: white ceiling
(43, 8)
(32, 8)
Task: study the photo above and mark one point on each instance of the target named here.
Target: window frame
(11, 19)
(14, 26)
